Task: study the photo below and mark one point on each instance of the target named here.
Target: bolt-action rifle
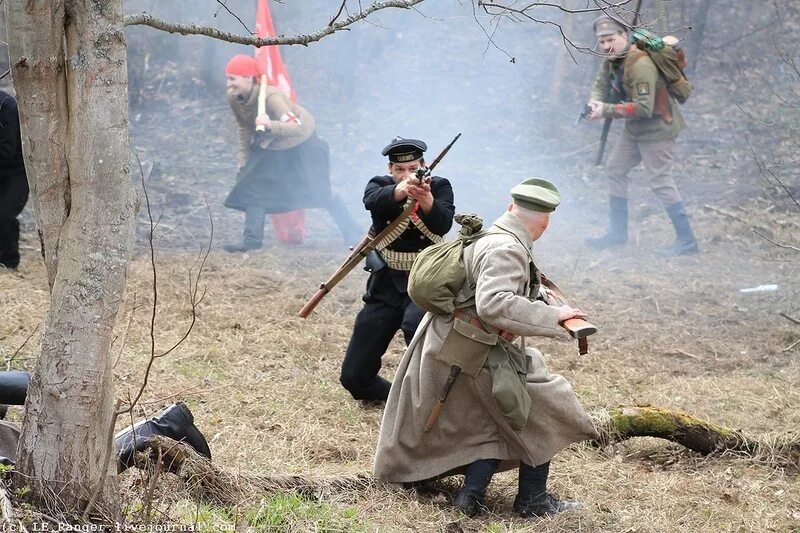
(370, 242)
(614, 93)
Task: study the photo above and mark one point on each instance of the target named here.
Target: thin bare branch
(192, 29)
(776, 243)
(194, 286)
(763, 170)
(13, 356)
(234, 15)
(338, 13)
(790, 319)
(525, 12)
(600, 6)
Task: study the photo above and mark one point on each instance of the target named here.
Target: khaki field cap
(605, 25)
(537, 195)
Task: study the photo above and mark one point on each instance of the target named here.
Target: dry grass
(263, 384)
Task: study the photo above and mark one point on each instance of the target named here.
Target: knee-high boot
(685, 242)
(532, 498)
(617, 233)
(471, 500)
(9, 242)
(13, 389)
(175, 422)
(253, 234)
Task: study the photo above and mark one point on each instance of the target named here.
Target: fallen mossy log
(222, 486)
(622, 423)
(225, 487)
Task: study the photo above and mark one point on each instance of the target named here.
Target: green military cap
(537, 195)
(605, 25)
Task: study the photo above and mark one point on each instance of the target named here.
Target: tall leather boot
(348, 227)
(685, 242)
(175, 422)
(617, 233)
(533, 499)
(253, 234)
(13, 389)
(471, 499)
(9, 242)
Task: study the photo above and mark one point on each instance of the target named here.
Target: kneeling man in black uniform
(387, 306)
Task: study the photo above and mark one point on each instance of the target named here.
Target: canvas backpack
(669, 59)
(439, 273)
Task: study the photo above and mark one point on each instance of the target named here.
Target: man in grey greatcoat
(510, 412)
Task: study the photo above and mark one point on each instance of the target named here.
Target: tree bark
(74, 121)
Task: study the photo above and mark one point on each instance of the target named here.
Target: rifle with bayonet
(370, 242)
(614, 93)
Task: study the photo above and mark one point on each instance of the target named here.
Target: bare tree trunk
(74, 121)
(561, 60)
(699, 28)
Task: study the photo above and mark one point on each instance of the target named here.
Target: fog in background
(433, 72)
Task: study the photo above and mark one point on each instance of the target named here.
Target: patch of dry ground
(263, 384)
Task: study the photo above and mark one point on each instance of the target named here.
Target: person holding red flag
(282, 168)
(283, 164)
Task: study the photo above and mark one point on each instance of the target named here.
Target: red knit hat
(241, 65)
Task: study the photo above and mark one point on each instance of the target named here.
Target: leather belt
(473, 321)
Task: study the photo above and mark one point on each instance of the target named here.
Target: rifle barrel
(442, 154)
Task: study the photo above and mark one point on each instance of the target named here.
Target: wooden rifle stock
(578, 328)
(369, 242)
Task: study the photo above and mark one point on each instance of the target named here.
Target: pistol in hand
(585, 112)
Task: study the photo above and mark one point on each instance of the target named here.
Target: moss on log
(621, 423)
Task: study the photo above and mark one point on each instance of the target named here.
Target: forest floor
(263, 383)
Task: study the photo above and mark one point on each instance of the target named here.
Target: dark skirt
(284, 180)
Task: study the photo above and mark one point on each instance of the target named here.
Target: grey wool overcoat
(470, 426)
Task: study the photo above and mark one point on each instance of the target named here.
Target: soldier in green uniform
(649, 135)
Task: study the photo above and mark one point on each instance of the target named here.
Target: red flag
(269, 57)
(290, 228)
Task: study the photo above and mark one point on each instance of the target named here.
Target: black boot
(471, 499)
(533, 498)
(175, 422)
(351, 232)
(13, 389)
(617, 233)
(685, 243)
(9, 242)
(253, 235)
